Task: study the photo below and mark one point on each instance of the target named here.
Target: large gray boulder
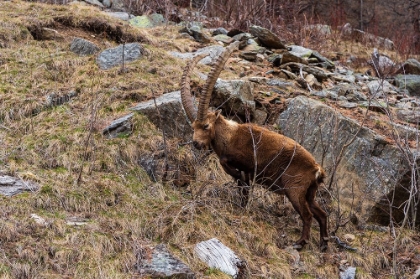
(121, 54)
(235, 97)
(409, 82)
(362, 161)
(171, 118)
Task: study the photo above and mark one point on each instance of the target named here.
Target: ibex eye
(206, 126)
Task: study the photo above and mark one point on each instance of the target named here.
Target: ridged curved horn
(205, 96)
(186, 97)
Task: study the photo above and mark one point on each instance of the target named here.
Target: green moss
(46, 189)
(4, 269)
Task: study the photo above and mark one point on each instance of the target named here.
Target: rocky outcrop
(356, 158)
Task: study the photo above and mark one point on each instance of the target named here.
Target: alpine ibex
(249, 152)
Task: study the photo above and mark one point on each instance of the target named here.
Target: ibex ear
(218, 113)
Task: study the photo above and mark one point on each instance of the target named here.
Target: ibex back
(249, 153)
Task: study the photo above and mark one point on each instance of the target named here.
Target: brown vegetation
(99, 182)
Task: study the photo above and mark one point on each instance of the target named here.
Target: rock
(83, 47)
(346, 104)
(295, 257)
(54, 99)
(158, 262)
(235, 97)
(365, 37)
(223, 38)
(94, 3)
(249, 55)
(344, 78)
(196, 31)
(283, 84)
(300, 51)
(252, 45)
(107, 3)
(409, 82)
(409, 115)
(10, 186)
(120, 15)
(220, 31)
(352, 92)
(368, 157)
(116, 56)
(319, 73)
(174, 121)
(260, 116)
(234, 32)
(375, 105)
(266, 37)
(410, 67)
(119, 127)
(217, 255)
(325, 62)
(349, 273)
(417, 273)
(214, 51)
(147, 21)
(76, 221)
(325, 94)
(289, 57)
(319, 29)
(349, 237)
(39, 220)
(380, 88)
(382, 64)
(308, 54)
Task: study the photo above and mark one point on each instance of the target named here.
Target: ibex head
(204, 131)
(203, 121)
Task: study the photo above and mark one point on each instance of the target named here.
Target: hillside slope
(99, 203)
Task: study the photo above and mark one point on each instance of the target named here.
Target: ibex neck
(224, 130)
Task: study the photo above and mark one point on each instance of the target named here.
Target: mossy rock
(147, 21)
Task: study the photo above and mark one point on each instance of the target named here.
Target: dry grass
(122, 207)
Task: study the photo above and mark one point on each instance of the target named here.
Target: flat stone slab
(158, 262)
(216, 255)
(10, 186)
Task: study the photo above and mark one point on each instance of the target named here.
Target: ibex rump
(248, 152)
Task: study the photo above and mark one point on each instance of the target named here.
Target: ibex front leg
(243, 179)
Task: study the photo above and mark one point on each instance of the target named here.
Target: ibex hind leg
(320, 215)
(301, 206)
